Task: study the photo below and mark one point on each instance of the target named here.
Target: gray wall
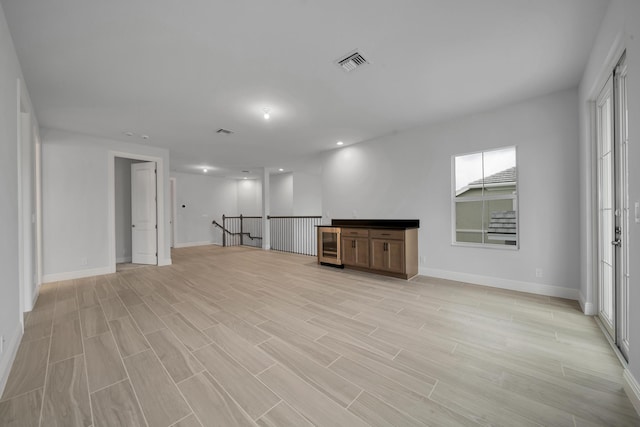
(250, 197)
(10, 310)
(76, 203)
(205, 198)
(408, 175)
(281, 194)
(307, 194)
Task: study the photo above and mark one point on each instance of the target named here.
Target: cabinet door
(378, 254)
(348, 251)
(355, 251)
(395, 256)
(387, 255)
(362, 252)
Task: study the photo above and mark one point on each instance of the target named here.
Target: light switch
(637, 206)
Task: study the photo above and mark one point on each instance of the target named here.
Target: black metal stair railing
(241, 230)
(295, 234)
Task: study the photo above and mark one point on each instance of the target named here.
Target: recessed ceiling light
(266, 114)
(204, 170)
(128, 133)
(280, 170)
(145, 136)
(339, 143)
(244, 177)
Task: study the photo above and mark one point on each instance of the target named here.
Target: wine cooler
(329, 245)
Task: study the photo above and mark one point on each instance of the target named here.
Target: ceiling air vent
(352, 61)
(224, 131)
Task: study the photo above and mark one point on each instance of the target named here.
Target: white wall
(76, 205)
(205, 198)
(123, 209)
(307, 194)
(620, 29)
(295, 193)
(10, 310)
(250, 197)
(281, 194)
(408, 175)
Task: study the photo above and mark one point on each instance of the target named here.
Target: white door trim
(163, 257)
(174, 210)
(29, 241)
(38, 209)
(21, 260)
(589, 302)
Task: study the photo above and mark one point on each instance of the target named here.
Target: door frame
(590, 302)
(173, 210)
(29, 204)
(163, 257)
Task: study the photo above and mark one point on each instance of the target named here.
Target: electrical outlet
(1, 344)
(83, 261)
(423, 260)
(538, 272)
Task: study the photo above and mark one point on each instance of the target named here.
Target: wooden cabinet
(388, 255)
(382, 246)
(392, 252)
(355, 247)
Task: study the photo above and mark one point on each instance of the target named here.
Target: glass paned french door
(606, 207)
(613, 207)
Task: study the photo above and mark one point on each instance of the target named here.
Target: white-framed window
(485, 199)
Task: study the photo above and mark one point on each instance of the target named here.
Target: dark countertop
(389, 224)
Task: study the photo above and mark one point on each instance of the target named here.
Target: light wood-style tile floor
(239, 336)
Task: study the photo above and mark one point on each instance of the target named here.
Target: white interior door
(606, 207)
(144, 249)
(613, 208)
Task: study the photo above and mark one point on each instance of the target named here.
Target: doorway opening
(613, 207)
(136, 210)
(29, 215)
(123, 212)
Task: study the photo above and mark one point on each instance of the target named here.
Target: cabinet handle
(353, 243)
(384, 247)
(385, 234)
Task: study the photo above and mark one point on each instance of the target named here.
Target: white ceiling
(179, 70)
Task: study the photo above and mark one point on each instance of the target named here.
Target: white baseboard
(632, 388)
(163, 262)
(588, 308)
(56, 277)
(123, 259)
(191, 244)
(497, 282)
(8, 356)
